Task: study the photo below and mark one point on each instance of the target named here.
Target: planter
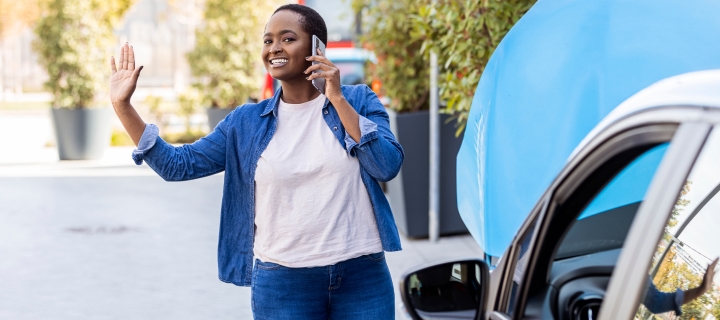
(215, 115)
(409, 192)
(81, 134)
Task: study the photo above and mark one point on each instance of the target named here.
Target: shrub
(401, 67)
(463, 33)
(74, 39)
(226, 57)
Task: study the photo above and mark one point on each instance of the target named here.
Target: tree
(465, 35)
(74, 39)
(226, 56)
(401, 67)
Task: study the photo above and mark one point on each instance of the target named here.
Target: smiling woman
(302, 205)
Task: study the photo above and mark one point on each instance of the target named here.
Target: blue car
(589, 170)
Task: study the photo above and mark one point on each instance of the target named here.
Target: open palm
(123, 80)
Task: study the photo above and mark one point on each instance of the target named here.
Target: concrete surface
(106, 239)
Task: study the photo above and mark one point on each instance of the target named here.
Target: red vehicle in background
(344, 30)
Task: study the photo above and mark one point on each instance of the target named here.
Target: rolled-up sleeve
(368, 132)
(378, 151)
(191, 161)
(147, 141)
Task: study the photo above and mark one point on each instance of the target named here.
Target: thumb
(136, 73)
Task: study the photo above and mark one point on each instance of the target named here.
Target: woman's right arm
(123, 82)
(202, 158)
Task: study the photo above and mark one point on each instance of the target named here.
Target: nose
(275, 49)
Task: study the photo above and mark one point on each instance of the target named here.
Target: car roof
(699, 88)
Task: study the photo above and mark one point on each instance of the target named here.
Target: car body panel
(564, 67)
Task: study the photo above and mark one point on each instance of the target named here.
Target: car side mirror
(447, 290)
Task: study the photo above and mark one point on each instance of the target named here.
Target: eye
(267, 41)
(289, 39)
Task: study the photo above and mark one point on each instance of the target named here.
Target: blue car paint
(557, 73)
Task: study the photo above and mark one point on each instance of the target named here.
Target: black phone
(319, 83)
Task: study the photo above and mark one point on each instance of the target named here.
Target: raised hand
(709, 275)
(123, 80)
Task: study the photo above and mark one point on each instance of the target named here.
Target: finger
(320, 53)
(324, 75)
(321, 59)
(136, 74)
(319, 66)
(122, 56)
(125, 57)
(131, 59)
(112, 64)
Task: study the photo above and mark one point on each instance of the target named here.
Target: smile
(278, 62)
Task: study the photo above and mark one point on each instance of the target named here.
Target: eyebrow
(281, 32)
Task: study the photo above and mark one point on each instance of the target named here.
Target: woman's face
(285, 47)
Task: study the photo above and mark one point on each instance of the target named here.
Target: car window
(679, 280)
(520, 264)
(605, 222)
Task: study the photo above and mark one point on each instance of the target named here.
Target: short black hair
(311, 21)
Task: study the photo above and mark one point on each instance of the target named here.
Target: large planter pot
(408, 193)
(81, 134)
(215, 115)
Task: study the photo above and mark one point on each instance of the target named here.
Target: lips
(278, 62)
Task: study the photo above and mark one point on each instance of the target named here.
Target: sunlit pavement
(105, 239)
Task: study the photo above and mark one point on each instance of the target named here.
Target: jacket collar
(275, 100)
(273, 103)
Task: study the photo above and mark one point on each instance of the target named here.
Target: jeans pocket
(377, 257)
(267, 265)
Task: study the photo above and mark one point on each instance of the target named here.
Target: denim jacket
(235, 147)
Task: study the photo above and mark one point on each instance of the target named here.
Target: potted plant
(73, 42)
(225, 60)
(404, 71)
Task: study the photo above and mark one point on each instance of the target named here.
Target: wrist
(120, 104)
(336, 101)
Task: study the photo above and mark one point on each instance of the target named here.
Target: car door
(672, 243)
(560, 267)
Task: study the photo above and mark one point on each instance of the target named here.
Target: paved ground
(106, 239)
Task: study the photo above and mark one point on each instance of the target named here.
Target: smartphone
(319, 83)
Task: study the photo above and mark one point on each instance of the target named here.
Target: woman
(304, 220)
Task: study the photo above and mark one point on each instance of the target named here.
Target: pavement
(106, 239)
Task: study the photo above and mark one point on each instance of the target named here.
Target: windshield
(606, 221)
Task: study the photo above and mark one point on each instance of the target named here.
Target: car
(636, 197)
(589, 170)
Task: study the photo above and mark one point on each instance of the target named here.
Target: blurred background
(86, 233)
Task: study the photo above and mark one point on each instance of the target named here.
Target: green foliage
(189, 103)
(74, 39)
(153, 103)
(401, 68)
(463, 33)
(227, 53)
(183, 137)
(120, 138)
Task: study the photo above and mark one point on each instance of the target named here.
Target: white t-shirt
(311, 206)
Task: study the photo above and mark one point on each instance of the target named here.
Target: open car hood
(558, 72)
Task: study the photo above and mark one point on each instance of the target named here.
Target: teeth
(274, 61)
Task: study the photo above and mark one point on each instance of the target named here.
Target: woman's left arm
(377, 149)
(366, 137)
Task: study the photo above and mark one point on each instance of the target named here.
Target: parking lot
(105, 239)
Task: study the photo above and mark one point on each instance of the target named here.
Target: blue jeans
(359, 288)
